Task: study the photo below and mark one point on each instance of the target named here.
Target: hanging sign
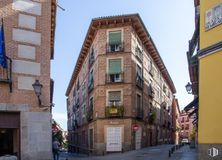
(213, 17)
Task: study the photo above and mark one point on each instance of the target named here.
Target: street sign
(135, 127)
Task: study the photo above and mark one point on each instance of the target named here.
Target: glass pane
(115, 37)
(114, 66)
(139, 71)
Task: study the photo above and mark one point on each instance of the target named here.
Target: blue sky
(170, 24)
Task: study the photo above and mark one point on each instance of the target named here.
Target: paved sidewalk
(160, 152)
(185, 153)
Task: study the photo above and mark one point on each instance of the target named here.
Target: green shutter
(115, 37)
(114, 66)
(115, 96)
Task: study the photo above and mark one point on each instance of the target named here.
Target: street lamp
(189, 88)
(38, 90)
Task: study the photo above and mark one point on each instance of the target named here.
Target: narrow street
(151, 153)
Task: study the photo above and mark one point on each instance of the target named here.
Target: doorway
(90, 139)
(8, 142)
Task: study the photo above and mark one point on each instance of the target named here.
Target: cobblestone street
(151, 153)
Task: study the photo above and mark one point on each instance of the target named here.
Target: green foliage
(58, 136)
(114, 111)
(152, 117)
(193, 134)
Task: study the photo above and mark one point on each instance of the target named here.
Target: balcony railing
(114, 78)
(6, 74)
(139, 81)
(115, 47)
(151, 72)
(139, 53)
(114, 111)
(151, 92)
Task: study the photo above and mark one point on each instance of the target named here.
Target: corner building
(120, 93)
(25, 125)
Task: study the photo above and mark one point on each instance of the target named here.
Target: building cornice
(210, 50)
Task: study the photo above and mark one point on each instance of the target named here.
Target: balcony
(110, 48)
(152, 117)
(139, 53)
(151, 72)
(151, 92)
(6, 73)
(114, 111)
(114, 78)
(139, 81)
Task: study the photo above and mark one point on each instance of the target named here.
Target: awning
(192, 104)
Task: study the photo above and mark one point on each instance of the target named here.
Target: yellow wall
(210, 81)
(210, 99)
(213, 35)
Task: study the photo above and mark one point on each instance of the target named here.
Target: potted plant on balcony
(114, 111)
(152, 117)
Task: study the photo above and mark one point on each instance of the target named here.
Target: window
(83, 137)
(77, 84)
(138, 101)
(139, 52)
(139, 77)
(91, 103)
(114, 70)
(164, 88)
(139, 106)
(74, 92)
(90, 81)
(114, 98)
(139, 70)
(90, 110)
(182, 119)
(187, 126)
(84, 89)
(151, 70)
(115, 41)
(91, 57)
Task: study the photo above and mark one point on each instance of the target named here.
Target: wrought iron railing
(114, 78)
(6, 73)
(114, 111)
(115, 47)
(139, 53)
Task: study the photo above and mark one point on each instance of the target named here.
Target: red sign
(135, 127)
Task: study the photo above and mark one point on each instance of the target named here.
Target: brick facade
(28, 42)
(153, 118)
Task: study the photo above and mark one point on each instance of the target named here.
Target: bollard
(169, 153)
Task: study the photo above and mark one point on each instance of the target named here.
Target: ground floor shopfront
(116, 135)
(25, 134)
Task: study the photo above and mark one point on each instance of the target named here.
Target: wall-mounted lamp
(38, 90)
(189, 88)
